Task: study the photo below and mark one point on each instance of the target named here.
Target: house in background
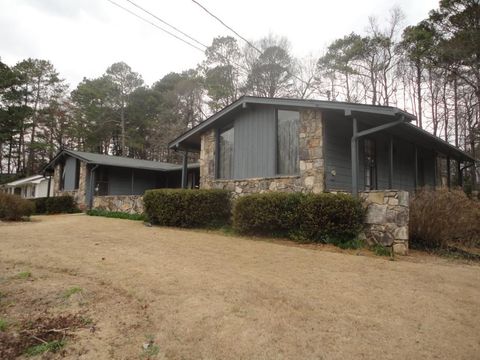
(267, 144)
(36, 186)
(85, 175)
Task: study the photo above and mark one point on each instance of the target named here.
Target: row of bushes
(14, 208)
(314, 217)
(55, 205)
(188, 208)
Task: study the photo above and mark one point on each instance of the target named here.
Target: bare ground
(201, 295)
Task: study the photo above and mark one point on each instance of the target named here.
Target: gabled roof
(35, 179)
(296, 103)
(117, 161)
(191, 138)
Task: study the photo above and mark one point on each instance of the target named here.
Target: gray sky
(83, 37)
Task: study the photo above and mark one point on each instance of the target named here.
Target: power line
(153, 24)
(228, 27)
(244, 39)
(238, 67)
(166, 23)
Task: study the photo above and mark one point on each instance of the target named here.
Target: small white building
(35, 186)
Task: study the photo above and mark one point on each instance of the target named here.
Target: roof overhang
(190, 140)
(50, 166)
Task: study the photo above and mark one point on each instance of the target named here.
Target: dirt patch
(173, 294)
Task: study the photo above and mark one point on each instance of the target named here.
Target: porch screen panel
(287, 142)
(225, 153)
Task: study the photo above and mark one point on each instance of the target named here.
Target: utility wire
(238, 67)
(228, 27)
(244, 39)
(153, 24)
(166, 23)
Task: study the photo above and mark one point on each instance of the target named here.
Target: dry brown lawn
(201, 295)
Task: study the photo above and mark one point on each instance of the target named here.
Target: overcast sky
(83, 37)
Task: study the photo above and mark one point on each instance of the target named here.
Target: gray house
(267, 144)
(84, 175)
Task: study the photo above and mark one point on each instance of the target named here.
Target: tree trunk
(419, 95)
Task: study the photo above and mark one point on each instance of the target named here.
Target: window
(370, 161)
(287, 142)
(77, 174)
(225, 153)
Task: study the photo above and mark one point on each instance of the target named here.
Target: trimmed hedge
(188, 208)
(13, 207)
(336, 218)
(55, 205)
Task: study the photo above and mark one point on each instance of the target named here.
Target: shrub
(55, 205)
(331, 217)
(13, 207)
(116, 214)
(188, 208)
(307, 217)
(274, 213)
(440, 218)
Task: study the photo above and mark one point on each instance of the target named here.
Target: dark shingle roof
(120, 161)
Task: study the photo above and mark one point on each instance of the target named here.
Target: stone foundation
(386, 221)
(310, 179)
(132, 204)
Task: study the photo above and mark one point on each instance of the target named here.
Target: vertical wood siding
(255, 143)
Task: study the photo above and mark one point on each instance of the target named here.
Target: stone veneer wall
(80, 195)
(310, 179)
(386, 221)
(132, 204)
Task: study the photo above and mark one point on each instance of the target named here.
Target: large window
(225, 153)
(287, 142)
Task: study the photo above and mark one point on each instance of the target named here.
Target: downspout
(92, 190)
(354, 144)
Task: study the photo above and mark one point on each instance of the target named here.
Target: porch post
(354, 149)
(184, 170)
(416, 168)
(460, 174)
(434, 170)
(448, 172)
(390, 163)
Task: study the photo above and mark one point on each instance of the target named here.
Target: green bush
(330, 217)
(188, 208)
(13, 207)
(306, 217)
(442, 218)
(116, 214)
(55, 205)
(275, 213)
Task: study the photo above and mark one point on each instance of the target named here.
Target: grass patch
(52, 346)
(381, 250)
(73, 290)
(24, 275)
(117, 215)
(150, 349)
(3, 324)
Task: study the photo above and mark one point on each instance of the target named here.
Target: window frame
(277, 173)
(219, 132)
